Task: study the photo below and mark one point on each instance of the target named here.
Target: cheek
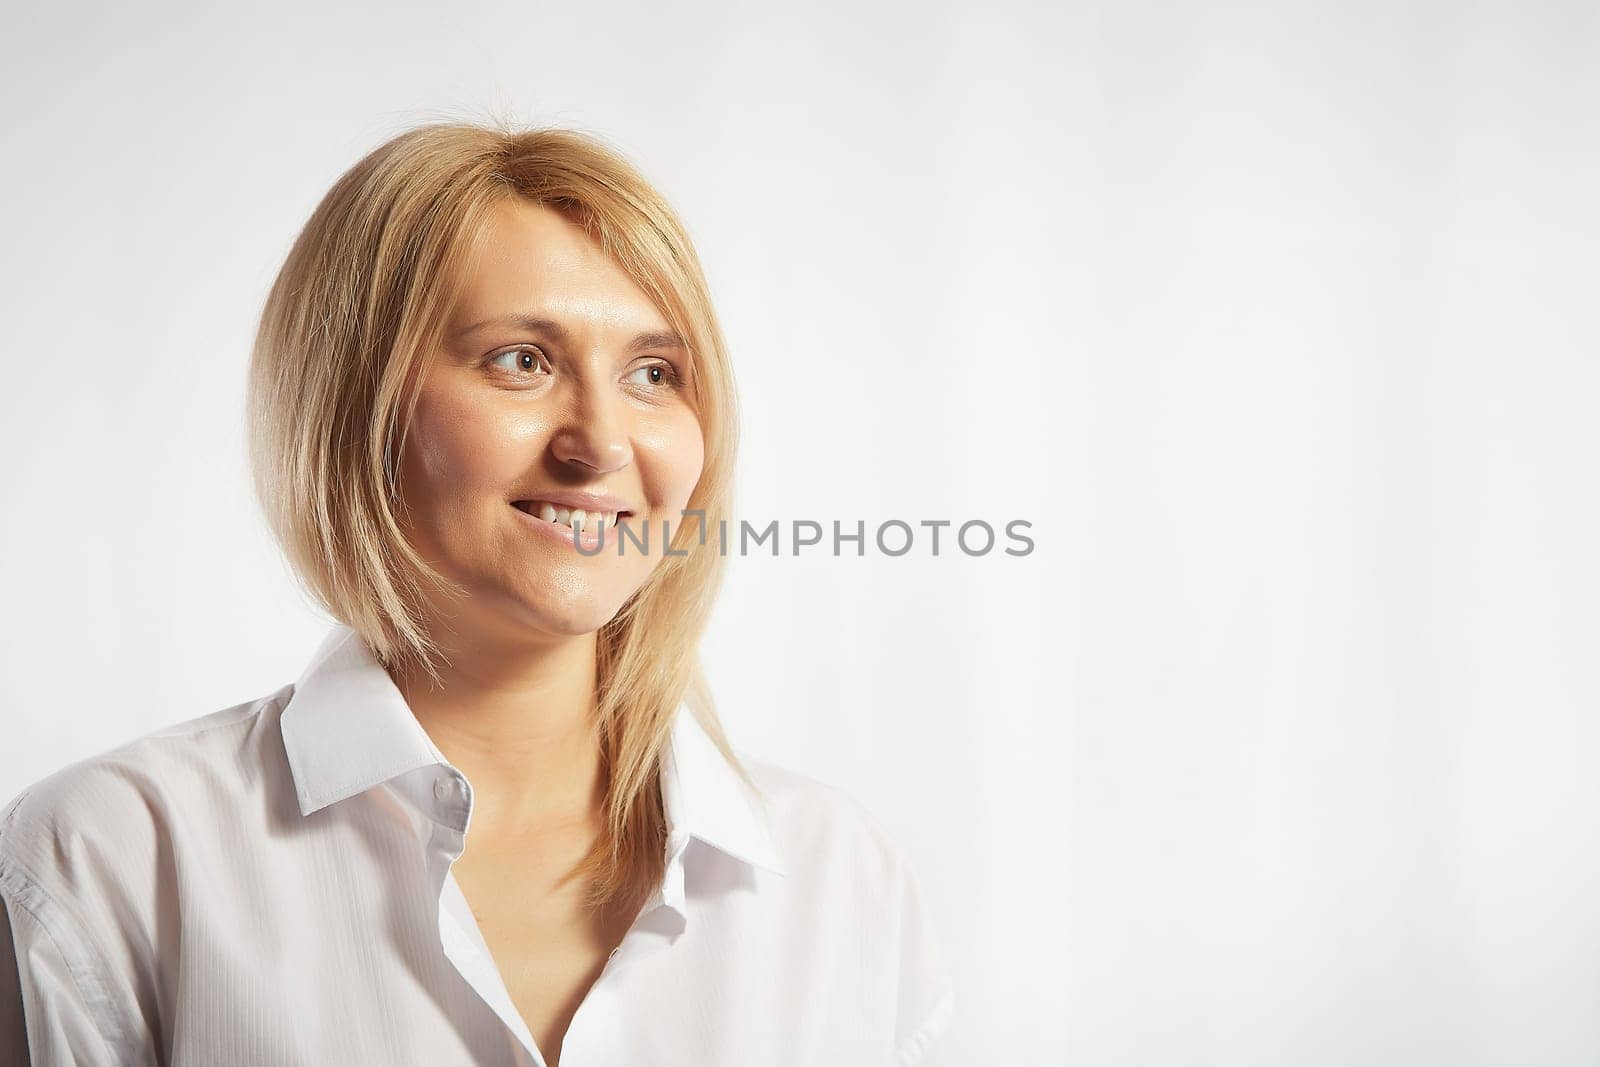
(455, 449)
(671, 456)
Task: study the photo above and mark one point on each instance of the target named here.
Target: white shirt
(271, 884)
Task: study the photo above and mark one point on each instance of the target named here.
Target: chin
(574, 627)
(568, 620)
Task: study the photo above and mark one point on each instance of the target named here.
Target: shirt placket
(596, 1034)
(459, 935)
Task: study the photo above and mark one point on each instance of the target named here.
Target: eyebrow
(535, 324)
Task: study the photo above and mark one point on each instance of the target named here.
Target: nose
(593, 434)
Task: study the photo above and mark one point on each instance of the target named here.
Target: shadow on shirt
(13, 1034)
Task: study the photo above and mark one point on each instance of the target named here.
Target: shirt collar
(347, 728)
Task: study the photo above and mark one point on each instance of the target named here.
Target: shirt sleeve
(68, 878)
(927, 991)
(48, 991)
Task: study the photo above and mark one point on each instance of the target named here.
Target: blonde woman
(495, 820)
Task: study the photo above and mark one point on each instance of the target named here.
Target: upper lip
(592, 503)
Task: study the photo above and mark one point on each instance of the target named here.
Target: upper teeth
(576, 518)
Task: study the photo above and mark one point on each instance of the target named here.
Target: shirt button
(449, 788)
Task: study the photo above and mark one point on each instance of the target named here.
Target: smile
(588, 527)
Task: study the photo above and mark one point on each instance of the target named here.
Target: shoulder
(111, 807)
(856, 878)
(89, 858)
(828, 827)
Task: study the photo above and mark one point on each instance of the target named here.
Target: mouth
(575, 519)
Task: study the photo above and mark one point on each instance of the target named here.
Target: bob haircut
(359, 304)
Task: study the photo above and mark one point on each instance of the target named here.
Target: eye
(656, 376)
(524, 360)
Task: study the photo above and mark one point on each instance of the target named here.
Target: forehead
(532, 259)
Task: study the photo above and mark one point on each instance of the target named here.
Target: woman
(490, 409)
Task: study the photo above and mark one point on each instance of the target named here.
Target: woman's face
(558, 378)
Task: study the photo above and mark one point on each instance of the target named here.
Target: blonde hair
(360, 302)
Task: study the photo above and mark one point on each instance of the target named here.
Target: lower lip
(591, 541)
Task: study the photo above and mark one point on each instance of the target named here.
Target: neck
(518, 721)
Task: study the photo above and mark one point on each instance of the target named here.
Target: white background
(1277, 322)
